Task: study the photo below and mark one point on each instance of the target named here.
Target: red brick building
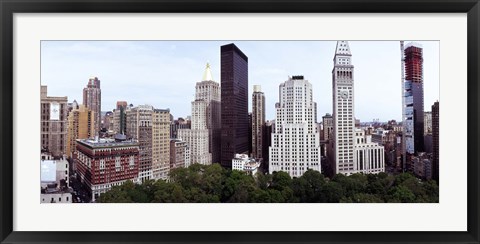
(104, 163)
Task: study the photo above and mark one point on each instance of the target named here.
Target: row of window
(52, 200)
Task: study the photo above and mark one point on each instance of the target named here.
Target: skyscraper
(296, 141)
(80, 126)
(353, 149)
(92, 99)
(160, 144)
(414, 113)
(234, 99)
(249, 133)
(203, 138)
(428, 122)
(327, 126)
(435, 140)
(53, 121)
(151, 128)
(258, 121)
(139, 128)
(343, 109)
(267, 142)
(119, 118)
(209, 91)
(325, 140)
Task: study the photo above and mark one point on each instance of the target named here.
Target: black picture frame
(9, 7)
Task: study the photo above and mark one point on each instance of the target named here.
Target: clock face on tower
(344, 94)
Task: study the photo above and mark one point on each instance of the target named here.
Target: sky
(164, 73)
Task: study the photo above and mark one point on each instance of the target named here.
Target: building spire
(342, 48)
(207, 75)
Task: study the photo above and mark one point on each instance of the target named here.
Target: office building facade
(104, 163)
(343, 109)
(203, 138)
(81, 125)
(179, 154)
(258, 122)
(414, 112)
(353, 150)
(369, 157)
(296, 141)
(327, 122)
(151, 128)
(436, 141)
(160, 144)
(53, 123)
(92, 99)
(234, 100)
(139, 128)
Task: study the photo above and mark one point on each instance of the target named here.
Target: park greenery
(214, 184)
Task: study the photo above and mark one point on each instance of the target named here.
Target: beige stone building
(81, 125)
(151, 127)
(139, 127)
(161, 144)
(53, 123)
(179, 154)
(119, 118)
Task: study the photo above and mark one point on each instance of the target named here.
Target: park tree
(307, 188)
(212, 183)
(332, 192)
(237, 187)
(400, 194)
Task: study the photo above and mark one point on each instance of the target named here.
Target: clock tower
(343, 110)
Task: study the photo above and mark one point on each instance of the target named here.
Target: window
(117, 163)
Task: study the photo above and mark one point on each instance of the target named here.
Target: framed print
(145, 133)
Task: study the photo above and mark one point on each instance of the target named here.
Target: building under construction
(414, 74)
(412, 79)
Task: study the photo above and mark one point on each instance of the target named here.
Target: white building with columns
(295, 144)
(246, 164)
(369, 157)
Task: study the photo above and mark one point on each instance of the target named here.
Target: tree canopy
(214, 184)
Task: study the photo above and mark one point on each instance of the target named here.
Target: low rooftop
(106, 142)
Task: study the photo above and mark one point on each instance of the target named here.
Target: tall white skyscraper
(343, 109)
(204, 136)
(353, 151)
(295, 142)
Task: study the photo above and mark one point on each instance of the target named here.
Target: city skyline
(165, 72)
(143, 153)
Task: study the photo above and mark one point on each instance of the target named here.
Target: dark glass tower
(234, 103)
(414, 74)
(435, 140)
